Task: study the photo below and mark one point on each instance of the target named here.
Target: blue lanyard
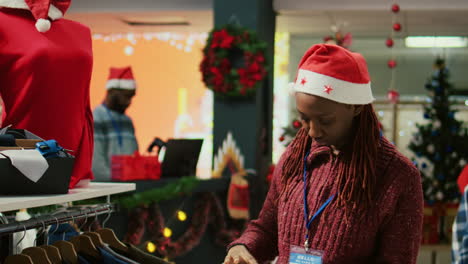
(116, 127)
(308, 222)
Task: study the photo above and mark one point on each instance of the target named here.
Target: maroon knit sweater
(388, 232)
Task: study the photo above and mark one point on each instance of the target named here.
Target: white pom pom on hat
(42, 10)
(42, 25)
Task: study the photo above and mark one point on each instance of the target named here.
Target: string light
(151, 247)
(181, 215)
(167, 232)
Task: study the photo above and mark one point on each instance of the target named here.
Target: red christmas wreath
(234, 63)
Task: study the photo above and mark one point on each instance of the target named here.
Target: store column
(249, 121)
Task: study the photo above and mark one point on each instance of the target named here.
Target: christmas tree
(290, 132)
(440, 145)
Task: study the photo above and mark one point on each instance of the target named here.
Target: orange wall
(160, 69)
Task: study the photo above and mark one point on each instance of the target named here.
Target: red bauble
(393, 96)
(395, 8)
(281, 139)
(389, 42)
(392, 64)
(296, 124)
(397, 26)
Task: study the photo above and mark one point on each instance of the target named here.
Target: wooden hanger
(39, 255)
(53, 253)
(18, 259)
(67, 251)
(95, 237)
(84, 244)
(109, 237)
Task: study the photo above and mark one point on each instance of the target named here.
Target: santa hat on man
(121, 78)
(42, 10)
(334, 73)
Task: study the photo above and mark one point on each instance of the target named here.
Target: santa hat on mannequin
(42, 10)
(334, 73)
(121, 78)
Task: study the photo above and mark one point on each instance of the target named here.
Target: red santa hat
(42, 10)
(334, 73)
(121, 78)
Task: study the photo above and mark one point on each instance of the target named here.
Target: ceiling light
(435, 42)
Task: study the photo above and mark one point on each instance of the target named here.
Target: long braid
(357, 171)
(293, 163)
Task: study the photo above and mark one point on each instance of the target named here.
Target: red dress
(44, 83)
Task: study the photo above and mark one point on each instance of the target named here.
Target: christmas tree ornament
(393, 96)
(430, 149)
(437, 124)
(296, 124)
(397, 26)
(395, 8)
(462, 163)
(392, 63)
(439, 196)
(389, 42)
(281, 139)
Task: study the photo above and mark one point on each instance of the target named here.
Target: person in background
(114, 133)
(341, 192)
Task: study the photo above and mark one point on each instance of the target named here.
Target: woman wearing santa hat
(46, 64)
(341, 193)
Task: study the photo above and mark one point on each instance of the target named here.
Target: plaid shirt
(460, 232)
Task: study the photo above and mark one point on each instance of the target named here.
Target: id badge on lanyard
(303, 254)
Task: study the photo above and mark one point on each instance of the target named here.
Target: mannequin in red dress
(45, 72)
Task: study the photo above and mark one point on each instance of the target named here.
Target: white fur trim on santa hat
(54, 12)
(333, 89)
(125, 84)
(21, 4)
(42, 25)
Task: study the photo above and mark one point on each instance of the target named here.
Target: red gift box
(135, 167)
(438, 218)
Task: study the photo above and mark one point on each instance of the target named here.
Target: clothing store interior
(248, 131)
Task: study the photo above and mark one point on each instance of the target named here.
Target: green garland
(129, 201)
(168, 192)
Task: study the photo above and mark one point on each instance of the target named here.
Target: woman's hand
(239, 255)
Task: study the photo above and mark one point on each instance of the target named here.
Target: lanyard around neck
(308, 222)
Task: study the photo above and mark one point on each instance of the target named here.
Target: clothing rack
(58, 218)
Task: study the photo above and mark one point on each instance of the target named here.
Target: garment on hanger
(139, 256)
(106, 247)
(63, 232)
(25, 240)
(82, 260)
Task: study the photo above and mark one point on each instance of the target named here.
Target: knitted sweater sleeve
(400, 234)
(261, 235)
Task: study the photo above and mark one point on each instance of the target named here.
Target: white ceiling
(363, 18)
